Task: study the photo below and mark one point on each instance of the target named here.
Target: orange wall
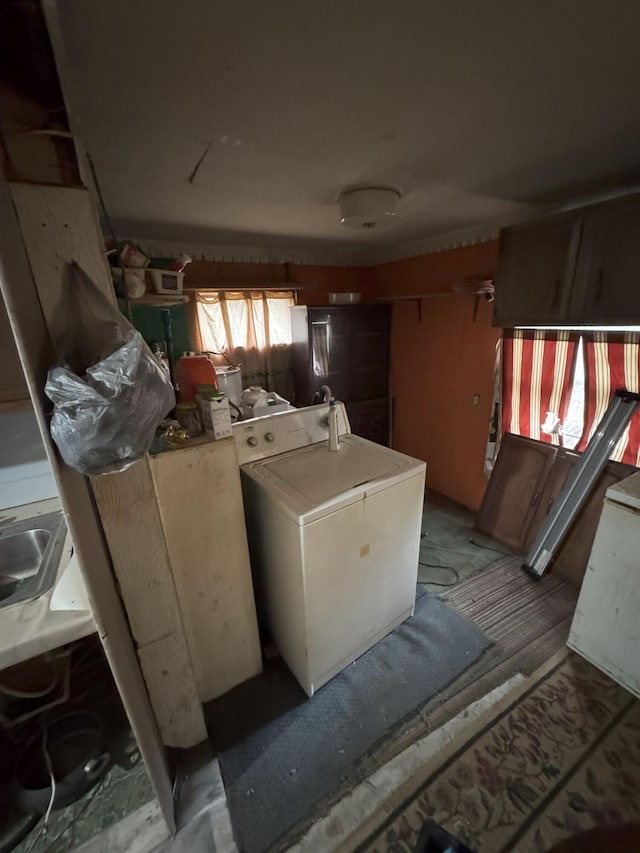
(438, 364)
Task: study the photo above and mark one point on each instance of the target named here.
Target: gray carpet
(280, 753)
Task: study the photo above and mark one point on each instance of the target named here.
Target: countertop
(626, 492)
(62, 615)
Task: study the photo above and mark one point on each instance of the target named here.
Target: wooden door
(563, 465)
(515, 489)
(607, 288)
(368, 351)
(329, 332)
(536, 267)
(350, 350)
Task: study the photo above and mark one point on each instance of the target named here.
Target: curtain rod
(284, 285)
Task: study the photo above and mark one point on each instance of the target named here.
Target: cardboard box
(216, 415)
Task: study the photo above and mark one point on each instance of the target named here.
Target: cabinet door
(514, 489)
(303, 392)
(607, 288)
(13, 386)
(350, 350)
(369, 351)
(536, 267)
(329, 332)
(370, 419)
(563, 465)
(571, 558)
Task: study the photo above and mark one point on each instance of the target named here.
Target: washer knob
(269, 436)
(252, 441)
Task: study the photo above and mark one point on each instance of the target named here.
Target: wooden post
(30, 328)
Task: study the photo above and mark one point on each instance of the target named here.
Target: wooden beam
(33, 341)
(128, 507)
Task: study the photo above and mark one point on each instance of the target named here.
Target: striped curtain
(537, 366)
(612, 362)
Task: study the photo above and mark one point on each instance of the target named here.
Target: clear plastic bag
(109, 391)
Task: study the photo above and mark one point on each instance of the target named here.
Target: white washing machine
(334, 537)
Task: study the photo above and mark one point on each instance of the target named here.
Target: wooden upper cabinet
(575, 268)
(536, 267)
(607, 286)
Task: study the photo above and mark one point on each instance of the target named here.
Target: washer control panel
(270, 435)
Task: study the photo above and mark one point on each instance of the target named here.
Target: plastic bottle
(334, 439)
(193, 369)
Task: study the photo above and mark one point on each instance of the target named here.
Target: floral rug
(563, 757)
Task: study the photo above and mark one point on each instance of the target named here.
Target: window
(557, 384)
(229, 320)
(253, 330)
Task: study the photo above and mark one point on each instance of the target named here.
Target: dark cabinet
(536, 268)
(347, 348)
(607, 289)
(573, 268)
(527, 479)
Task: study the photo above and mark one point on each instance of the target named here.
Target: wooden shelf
(157, 300)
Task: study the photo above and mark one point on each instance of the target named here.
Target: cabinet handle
(536, 498)
(599, 287)
(556, 294)
(549, 505)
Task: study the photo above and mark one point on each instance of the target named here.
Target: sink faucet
(334, 437)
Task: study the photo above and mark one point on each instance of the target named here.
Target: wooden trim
(258, 288)
(155, 300)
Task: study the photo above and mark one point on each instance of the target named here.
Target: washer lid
(314, 481)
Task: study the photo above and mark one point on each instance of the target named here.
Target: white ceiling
(477, 111)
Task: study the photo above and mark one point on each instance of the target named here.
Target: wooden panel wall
(58, 225)
(31, 331)
(128, 507)
(200, 501)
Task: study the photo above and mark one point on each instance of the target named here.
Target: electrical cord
(52, 775)
(470, 540)
(489, 548)
(440, 566)
(456, 576)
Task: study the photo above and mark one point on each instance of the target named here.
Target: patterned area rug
(563, 757)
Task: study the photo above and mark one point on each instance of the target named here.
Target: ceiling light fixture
(366, 207)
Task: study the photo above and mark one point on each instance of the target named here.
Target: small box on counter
(216, 415)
